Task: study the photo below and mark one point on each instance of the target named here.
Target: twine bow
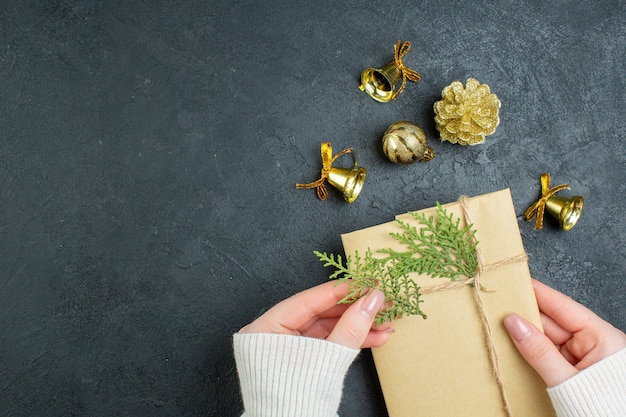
(478, 289)
(327, 161)
(400, 50)
(538, 208)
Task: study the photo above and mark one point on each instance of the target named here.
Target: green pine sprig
(402, 294)
(441, 249)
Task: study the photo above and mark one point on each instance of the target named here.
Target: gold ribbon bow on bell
(566, 210)
(379, 83)
(348, 180)
(400, 50)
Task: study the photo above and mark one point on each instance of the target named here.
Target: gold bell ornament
(566, 209)
(405, 143)
(380, 83)
(347, 180)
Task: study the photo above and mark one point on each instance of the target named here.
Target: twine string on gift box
(478, 288)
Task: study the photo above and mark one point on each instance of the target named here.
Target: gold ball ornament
(405, 143)
(465, 115)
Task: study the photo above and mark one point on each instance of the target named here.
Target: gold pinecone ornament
(465, 115)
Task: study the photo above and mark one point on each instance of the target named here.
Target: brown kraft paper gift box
(441, 366)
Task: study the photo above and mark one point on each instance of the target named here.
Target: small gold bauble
(405, 143)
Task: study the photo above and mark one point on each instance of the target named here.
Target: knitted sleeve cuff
(599, 390)
(283, 375)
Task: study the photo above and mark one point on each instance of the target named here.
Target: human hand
(575, 338)
(315, 313)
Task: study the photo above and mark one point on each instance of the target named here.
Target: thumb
(539, 351)
(355, 323)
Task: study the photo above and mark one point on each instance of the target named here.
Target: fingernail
(517, 327)
(373, 301)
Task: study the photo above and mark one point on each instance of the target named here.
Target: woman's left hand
(315, 313)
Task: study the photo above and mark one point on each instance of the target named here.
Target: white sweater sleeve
(289, 376)
(598, 391)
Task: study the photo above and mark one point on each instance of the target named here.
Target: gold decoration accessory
(405, 143)
(379, 83)
(347, 180)
(566, 210)
(465, 115)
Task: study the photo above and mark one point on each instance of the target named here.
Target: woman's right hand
(575, 338)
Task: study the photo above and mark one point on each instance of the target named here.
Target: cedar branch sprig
(441, 249)
(402, 294)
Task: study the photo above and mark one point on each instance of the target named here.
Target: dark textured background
(149, 151)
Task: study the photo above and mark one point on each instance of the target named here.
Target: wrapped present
(460, 361)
